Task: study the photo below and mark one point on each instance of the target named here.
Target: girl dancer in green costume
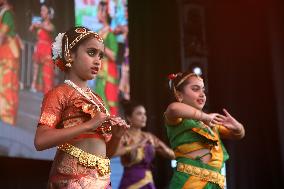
(195, 136)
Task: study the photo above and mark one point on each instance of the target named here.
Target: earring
(68, 65)
(67, 55)
(68, 59)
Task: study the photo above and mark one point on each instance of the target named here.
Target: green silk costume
(107, 78)
(191, 135)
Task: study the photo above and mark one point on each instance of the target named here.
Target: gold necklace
(83, 93)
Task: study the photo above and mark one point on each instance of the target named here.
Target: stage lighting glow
(173, 163)
(197, 70)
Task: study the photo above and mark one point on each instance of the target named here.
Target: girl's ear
(179, 96)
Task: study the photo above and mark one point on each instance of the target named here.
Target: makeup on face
(194, 93)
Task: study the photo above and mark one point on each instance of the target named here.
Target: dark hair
(178, 78)
(49, 8)
(129, 107)
(176, 82)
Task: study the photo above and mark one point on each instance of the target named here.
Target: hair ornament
(186, 77)
(83, 32)
(57, 46)
(172, 76)
(80, 30)
(51, 12)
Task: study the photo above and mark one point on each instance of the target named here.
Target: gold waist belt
(102, 165)
(204, 174)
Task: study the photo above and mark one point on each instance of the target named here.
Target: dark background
(245, 72)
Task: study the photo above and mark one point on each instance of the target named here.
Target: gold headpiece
(83, 32)
(186, 77)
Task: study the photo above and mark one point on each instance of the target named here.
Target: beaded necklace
(83, 93)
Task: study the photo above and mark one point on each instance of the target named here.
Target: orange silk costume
(9, 67)
(64, 107)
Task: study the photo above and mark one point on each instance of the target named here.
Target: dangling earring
(68, 60)
(67, 55)
(68, 65)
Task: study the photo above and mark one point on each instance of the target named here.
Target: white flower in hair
(57, 46)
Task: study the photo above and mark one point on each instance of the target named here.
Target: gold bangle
(127, 149)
